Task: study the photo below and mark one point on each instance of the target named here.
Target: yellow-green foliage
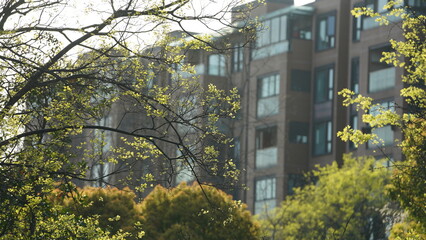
(116, 209)
(60, 77)
(409, 179)
(343, 203)
(409, 230)
(195, 212)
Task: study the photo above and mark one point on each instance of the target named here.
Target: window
(382, 106)
(323, 138)
(326, 27)
(237, 150)
(184, 168)
(177, 72)
(385, 133)
(237, 58)
(265, 194)
(380, 4)
(294, 181)
(356, 28)
(381, 74)
(376, 6)
(298, 132)
(416, 3)
(354, 125)
(151, 79)
(268, 90)
(266, 147)
(355, 75)
(217, 65)
(324, 81)
(300, 80)
(271, 38)
(387, 160)
(273, 31)
(101, 168)
(301, 26)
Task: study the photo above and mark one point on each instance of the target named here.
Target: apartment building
(289, 79)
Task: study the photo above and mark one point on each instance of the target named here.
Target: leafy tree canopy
(344, 203)
(60, 74)
(115, 209)
(409, 179)
(195, 212)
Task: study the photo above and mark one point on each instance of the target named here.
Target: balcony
(266, 157)
(270, 50)
(267, 106)
(264, 205)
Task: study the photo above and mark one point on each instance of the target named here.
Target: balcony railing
(266, 157)
(270, 50)
(267, 106)
(264, 205)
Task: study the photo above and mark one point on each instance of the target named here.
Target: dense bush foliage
(116, 209)
(195, 212)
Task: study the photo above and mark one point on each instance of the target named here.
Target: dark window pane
(294, 181)
(326, 30)
(323, 138)
(298, 132)
(300, 80)
(266, 137)
(355, 75)
(331, 21)
(324, 81)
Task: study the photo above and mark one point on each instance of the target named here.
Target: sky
(84, 12)
(302, 2)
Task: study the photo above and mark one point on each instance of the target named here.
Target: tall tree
(343, 203)
(61, 71)
(409, 179)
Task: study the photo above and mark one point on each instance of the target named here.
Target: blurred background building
(289, 77)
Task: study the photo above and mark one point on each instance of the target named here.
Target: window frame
(220, 64)
(384, 104)
(297, 180)
(371, 62)
(268, 146)
(357, 26)
(417, 3)
(277, 84)
(271, 81)
(293, 134)
(272, 129)
(329, 89)
(331, 37)
(266, 31)
(327, 137)
(270, 181)
(355, 75)
(353, 122)
(306, 80)
(237, 57)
